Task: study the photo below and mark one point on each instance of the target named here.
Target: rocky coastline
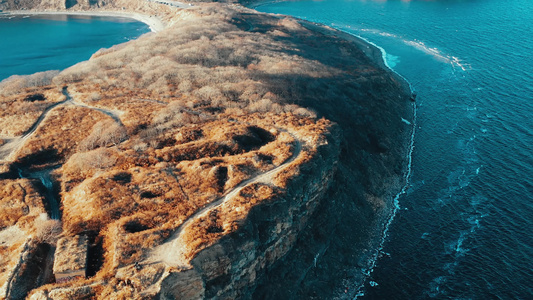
(329, 130)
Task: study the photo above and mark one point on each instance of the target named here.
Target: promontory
(230, 155)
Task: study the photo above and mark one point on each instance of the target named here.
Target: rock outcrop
(229, 269)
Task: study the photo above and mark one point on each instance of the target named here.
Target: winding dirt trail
(8, 149)
(173, 251)
(14, 144)
(113, 114)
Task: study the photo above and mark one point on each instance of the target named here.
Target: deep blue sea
(41, 43)
(464, 229)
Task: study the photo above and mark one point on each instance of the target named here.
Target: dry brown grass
(59, 134)
(205, 231)
(18, 111)
(19, 200)
(177, 177)
(207, 104)
(22, 216)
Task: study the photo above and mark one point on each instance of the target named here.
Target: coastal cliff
(232, 155)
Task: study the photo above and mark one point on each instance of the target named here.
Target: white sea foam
(436, 53)
(406, 122)
(396, 202)
(392, 60)
(433, 51)
(383, 55)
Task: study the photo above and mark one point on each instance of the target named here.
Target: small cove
(40, 43)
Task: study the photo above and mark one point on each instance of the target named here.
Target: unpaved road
(14, 144)
(173, 251)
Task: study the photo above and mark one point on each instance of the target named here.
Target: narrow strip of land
(155, 23)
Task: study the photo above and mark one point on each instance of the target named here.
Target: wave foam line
(435, 52)
(396, 205)
(383, 56)
(396, 201)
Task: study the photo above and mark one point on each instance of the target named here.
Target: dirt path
(114, 114)
(14, 144)
(152, 101)
(8, 149)
(173, 251)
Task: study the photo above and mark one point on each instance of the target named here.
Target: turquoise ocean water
(463, 230)
(41, 43)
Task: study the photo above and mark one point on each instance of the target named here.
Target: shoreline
(373, 51)
(154, 23)
(378, 55)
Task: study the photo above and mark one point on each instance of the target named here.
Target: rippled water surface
(463, 230)
(41, 43)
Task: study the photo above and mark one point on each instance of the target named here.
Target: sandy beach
(153, 22)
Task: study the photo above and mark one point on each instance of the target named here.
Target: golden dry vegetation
(20, 202)
(59, 134)
(160, 127)
(23, 218)
(18, 111)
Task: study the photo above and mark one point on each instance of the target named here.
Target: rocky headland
(230, 155)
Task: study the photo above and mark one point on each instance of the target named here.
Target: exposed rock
(70, 259)
(251, 156)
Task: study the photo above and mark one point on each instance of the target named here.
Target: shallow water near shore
(462, 230)
(53, 42)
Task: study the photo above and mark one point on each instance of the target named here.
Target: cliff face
(346, 229)
(233, 155)
(230, 268)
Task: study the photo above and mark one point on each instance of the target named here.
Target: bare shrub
(86, 163)
(185, 86)
(95, 96)
(291, 23)
(140, 147)
(16, 83)
(159, 88)
(104, 133)
(304, 112)
(262, 105)
(76, 73)
(210, 93)
(48, 230)
(172, 116)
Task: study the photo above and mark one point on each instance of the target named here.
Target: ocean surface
(464, 228)
(31, 44)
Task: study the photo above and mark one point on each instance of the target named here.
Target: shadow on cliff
(368, 103)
